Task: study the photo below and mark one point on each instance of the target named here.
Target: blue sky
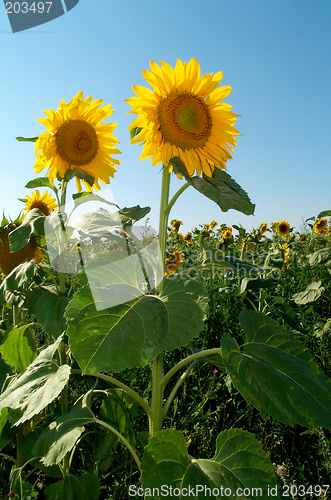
(274, 55)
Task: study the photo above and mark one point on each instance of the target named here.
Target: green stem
(176, 195)
(155, 421)
(8, 456)
(163, 225)
(16, 315)
(121, 438)
(188, 360)
(175, 389)
(119, 384)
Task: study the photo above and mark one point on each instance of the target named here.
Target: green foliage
(72, 487)
(18, 348)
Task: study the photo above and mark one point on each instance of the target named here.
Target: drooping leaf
(114, 413)
(310, 294)
(61, 435)
(239, 463)
(85, 487)
(18, 348)
(134, 333)
(325, 213)
(131, 215)
(37, 387)
(320, 257)
(81, 174)
(97, 222)
(220, 188)
(33, 222)
(21, 488)
(49, 311)
(83, 197)
(255, 283)
(276, 374)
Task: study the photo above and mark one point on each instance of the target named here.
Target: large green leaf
(33, 222)
(21, 488)
(311, 293)
(37, 387)
(40, 182)
(131, 215)
(239, 465)
(18, 348)
(320, 256)
(97, 222)
(114, 413)
(61, 435)
(220, 188)
(276, 374)
(72, 487)
(134, 333)
(83, 197)
(49, 311)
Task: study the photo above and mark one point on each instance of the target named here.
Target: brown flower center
(185, 120)
(76, 142)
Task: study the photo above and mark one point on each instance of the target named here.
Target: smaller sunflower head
(205, 234)
(320, 225)
(173, 261)
(188, 237)
(45, 203)
(283, 228)
(213, 224)
(207, 227)
(263, 227)
(226, 232)
(176, 224)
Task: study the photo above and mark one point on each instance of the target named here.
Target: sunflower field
(136, 364)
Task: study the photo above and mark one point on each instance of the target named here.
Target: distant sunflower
(76, 140)
(320, 225)
(213, 224)
(173, 261)
(283, 228)
(45, 203)
(183, 117)
(176, 224)
(263, 227)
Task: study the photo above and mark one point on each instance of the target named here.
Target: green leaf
(72, 487)
(7, 432)
(83, 197)
(20, 487)
(242, 267)
(4, 370)
(19, 348)
(310, 294)
(33, 222)
(325, 213)
(49, 311)
(37, 387)
(134, 333)
(135, 131)
(255, 283)
(70, 174)
(61, 435)
(12, 286)
(129, 216)
(220, 188)
(114, 412)
(320, 256)
(97, 222)
(276, 374)
(40, 182)
(27, 139)
(239, 463)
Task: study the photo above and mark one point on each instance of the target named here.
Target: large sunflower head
(45, 203)
(283, 228)
(183, 117)
(76, 140)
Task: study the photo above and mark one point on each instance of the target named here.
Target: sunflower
(173, 261)
(183, 117)
(283, 228)
(188, 238)
(226, 232)
(320, 225)
(76, 140)
(263, 227)
(45, 203)
(176, 224)
(213, 224)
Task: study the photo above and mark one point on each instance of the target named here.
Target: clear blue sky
(274, 54)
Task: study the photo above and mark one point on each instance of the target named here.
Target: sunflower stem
(176, 195)
(163, 224)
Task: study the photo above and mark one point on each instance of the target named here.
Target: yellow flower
(173, 261)
(226, 232)
(76, 140)
(183, 117)
(320, 225)
(213, 224)
(205, 234)
(188, 237)
(263, 227)
(283, 228)
(176, 224)
(45, 203)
